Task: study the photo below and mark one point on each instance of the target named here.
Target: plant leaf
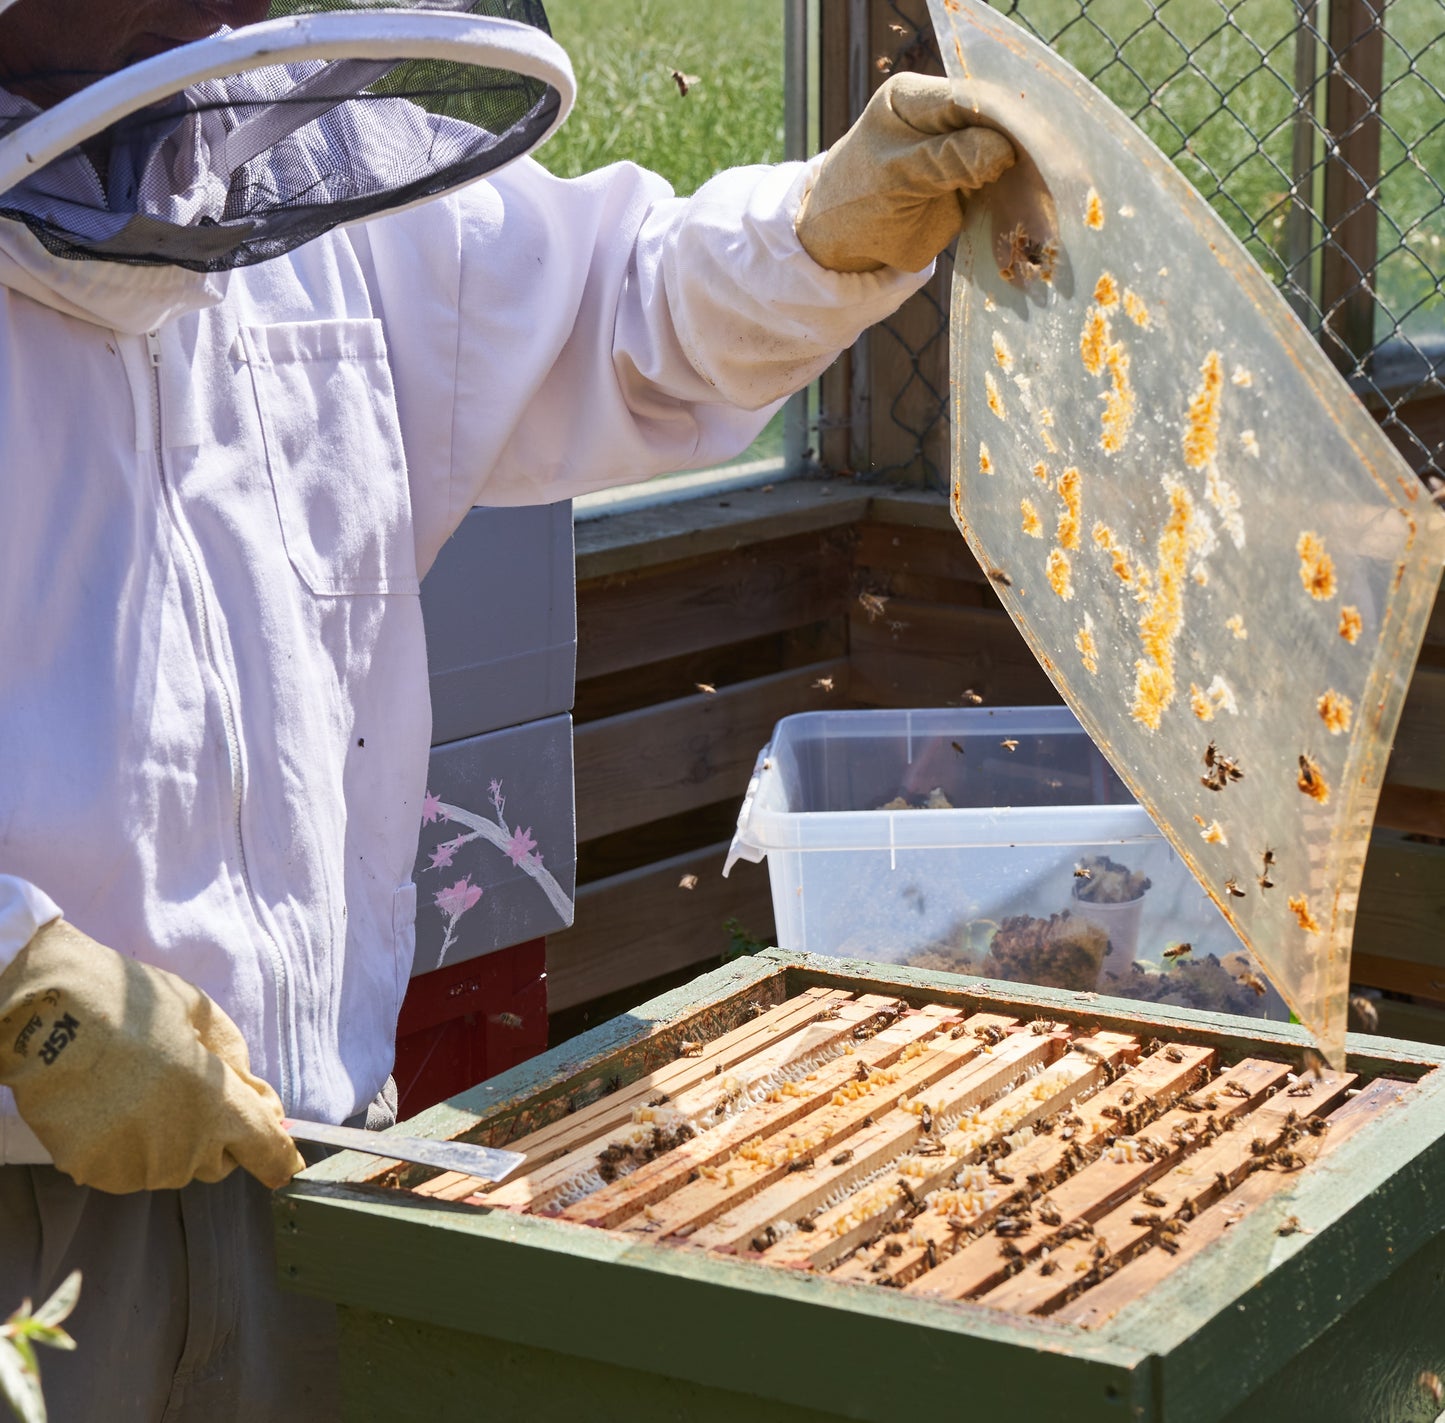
(60, 1304)
(19, 1386)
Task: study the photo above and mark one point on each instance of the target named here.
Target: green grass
(628, 107)
(1221, 73)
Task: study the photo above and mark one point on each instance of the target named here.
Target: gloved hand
(132, 1078)
(890, 192)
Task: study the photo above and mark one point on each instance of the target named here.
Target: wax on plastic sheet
(1219, 559)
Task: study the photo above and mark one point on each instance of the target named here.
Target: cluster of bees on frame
(1028, 1203)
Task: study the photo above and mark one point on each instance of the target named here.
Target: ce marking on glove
(62, 1032)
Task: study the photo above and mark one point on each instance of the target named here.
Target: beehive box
(806, 1188)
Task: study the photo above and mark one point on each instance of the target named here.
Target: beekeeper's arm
(601, 330)
(132, 1078)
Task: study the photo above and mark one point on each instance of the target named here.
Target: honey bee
(873, 604)
(930, 1256)
(991, 1033)
(806, 1226)
(823, 684)
(971, 697)
(1431, 1384)
(661, 1100)
(1152, 1198)
(688, 1048)
(1178, 951)
(1236, 1089)
(1083, 872)
(1267, 864)
(1048, 1267)
(860, 1073)
(828, 1013)
(1009, 744)
(1310, 781)
(926, 1119)
(687, 882)
(1127, 1097)
(683, 81)
(766, 1239)
(1222, 769)
(843, 1158)
(706, 688)
(957, 747)
(1007, 1225)
(1290, 1225)
(1252, 981)
(1314, 1062)
(1365, 1012)
(893, 1249)
(1173, 1054)
(1231, 886)
(1000, 577)
(1002, 1177)
(801, 1163)
(1303, 1088)
(1049, 1214)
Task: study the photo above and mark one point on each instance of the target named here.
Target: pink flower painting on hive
(515, 842)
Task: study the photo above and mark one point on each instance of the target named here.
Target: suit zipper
(280, 980)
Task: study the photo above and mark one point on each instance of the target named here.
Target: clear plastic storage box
(993, 841)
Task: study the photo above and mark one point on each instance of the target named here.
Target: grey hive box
(1299, 1292)
(500, 605)
(500, 608)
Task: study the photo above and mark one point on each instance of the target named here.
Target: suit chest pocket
(333, 449)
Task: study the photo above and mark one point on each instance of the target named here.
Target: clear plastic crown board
(1213, 550)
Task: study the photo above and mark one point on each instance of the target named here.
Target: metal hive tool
(1212, 549)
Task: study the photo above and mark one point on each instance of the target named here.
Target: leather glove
(132, 1078)
(890, 192)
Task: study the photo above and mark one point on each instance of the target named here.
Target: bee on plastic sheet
(1178, 951)
(957, 746)
(1222, 769)
(1267, 860)
(1231, 885)
(1000, 577)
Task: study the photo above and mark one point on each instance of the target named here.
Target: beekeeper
(237, 422)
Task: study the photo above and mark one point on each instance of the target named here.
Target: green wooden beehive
(806, 1188)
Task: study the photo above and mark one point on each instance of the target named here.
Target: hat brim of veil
(394, 35)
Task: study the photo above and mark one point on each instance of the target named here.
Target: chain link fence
(1315, 128)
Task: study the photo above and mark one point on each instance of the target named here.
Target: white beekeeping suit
(230, 447)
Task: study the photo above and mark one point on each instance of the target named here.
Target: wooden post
(1352, 175)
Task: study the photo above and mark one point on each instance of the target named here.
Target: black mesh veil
(238, 169)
